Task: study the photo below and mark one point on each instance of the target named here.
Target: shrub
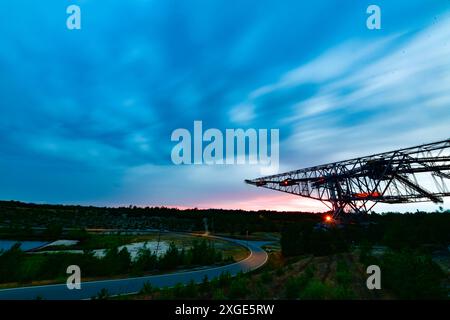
(412, 276)
(306, 238)
(10, 261)
(178, 291)
(296, 284)
(145, 261)
(191, 290)
(342, 293)
(343, 275)
(224, 279)
(261, 292)
(171, 259)
(292, 289)
(266, 276)
(279, 272)
(102, 295)
(314, 290)
(147, 289)
(238, 288)
(218, 294)
(205, 285)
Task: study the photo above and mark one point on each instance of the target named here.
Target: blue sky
(86, 115)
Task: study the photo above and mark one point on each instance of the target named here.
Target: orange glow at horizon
(281, 202)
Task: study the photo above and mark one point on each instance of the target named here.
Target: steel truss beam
(358, 184)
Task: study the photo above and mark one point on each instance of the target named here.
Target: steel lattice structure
(357, 185)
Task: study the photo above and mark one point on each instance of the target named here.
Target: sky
(87, 115)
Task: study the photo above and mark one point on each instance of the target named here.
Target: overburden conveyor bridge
(416, 174)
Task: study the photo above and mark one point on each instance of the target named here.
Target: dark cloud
(86, 116)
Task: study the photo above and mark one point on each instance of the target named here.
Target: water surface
(24, 245)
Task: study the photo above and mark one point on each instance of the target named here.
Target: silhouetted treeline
(308, 238)
(418, 231)
(22, 219)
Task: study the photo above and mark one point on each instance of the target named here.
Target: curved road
(256, 259)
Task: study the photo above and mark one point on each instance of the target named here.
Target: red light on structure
(328, 218)
(368, 195)
(287, 182)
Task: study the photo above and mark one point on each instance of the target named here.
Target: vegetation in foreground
(18, 266)
(407, 267)
(334, 277)
(329, 263)
(314, 262)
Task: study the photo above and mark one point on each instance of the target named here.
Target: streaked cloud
(87, 116)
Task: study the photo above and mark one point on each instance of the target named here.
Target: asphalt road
(256, 259)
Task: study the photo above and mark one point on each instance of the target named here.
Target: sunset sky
(87, 115)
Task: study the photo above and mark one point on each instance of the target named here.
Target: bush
(202, 252)
(10, 262)
(32, 268)
(224, 279)
(205, 285)
(296, 284)
(342, 293)
(279, 272)
(266, 276)
(343, 275)
(166, 294)
(261, 292)
(306, 239)
(145, 261)
(53, 231)
(218, 294)
(78, 234)
(365, 250)
(292, 289)
(178, 291)
(171, 259)
(116, 261)
(314, 290)
(147, 289)
(295, 239)
(102, 295)
(191, 290)
(412, 276)
(238, 288)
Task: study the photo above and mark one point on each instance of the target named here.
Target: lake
(25, 245)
